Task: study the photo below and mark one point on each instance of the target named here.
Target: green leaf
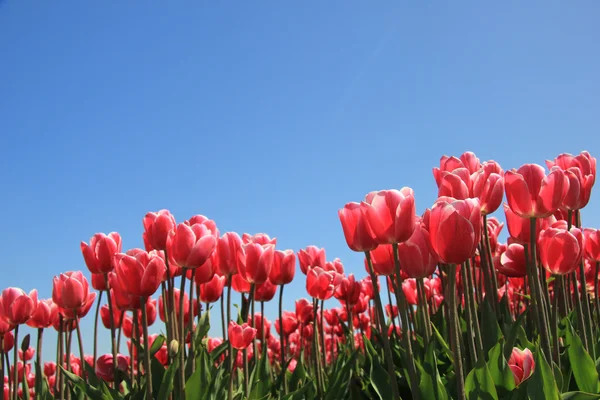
(430, 385)
(490, 330)
(299, 374)
(480, 384)
(83, 388)
(41, 384)
(168, 380)
(299, 394)
(511, 338)
(380, 380)
(541, 385)
(499, 370)
(443, 343)
(157, 345)
(584, 368)
(580, 396)
(261, 385)
(341, 378)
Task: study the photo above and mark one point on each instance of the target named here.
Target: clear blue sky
(268, 116)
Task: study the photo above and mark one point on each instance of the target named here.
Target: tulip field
(446, 310)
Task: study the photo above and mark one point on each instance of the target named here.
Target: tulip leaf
(299, 375)
(490, 330)
(41, 384)
(542, 385)
(157, 345)
(83, 388)
(499, 370)
(511, 336)
(300, 393)
(584, 368)
(430, 385)
(380, 379)
(341, 377)
(443, 343)
(168, 380)
(479, 384)
(580, 396)
(261, 385)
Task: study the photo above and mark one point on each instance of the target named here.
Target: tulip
(49, 368)
(284, 267)
(417, 259)
(16, 306)
(259, 238)
(580, 189)
(319, 283)
(241, 336)
(99, 282)
(357, 231)
(230, 253)
(519, 228)
(522, 364)
(304, 311)
(157, 226)
(201, 219)
(513, 262)
(382, 260)
(258, 262)
(265, 291)
(310, 257)
(99, 253)
(390, 214)
(456, 184)
(349, 290)
(28, 355)
(455, 229)
(239, 284)
(467, 160)
(584, 161)
(104, 366)
(70, 290)
(141, 274)
(533, 194)
(42, 315)
(561, 250)
(191, 246)
(592, 244)
(211, 291)
(488, 187)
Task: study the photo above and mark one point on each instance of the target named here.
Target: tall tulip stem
(40, 338)
(148, 369)
(382, 328)
(96, 315)
(597, 292)
(475, 319)
(536, 285)
(182, 335)
(15, 379)
(282, 341)
(192, 351)
(113, 338)
(225, 333)
(81, 353)
(315, 349)
(407, 335)
(455, 334)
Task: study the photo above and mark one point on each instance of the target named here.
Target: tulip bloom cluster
(447, 278)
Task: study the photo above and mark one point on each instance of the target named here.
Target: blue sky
(269, 116)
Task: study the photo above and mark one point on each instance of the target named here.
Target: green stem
(473, 351)
(315, 350)
(148, 369)
(182, 335)
(112, 325)
(476, 327)
(15, 364)
(458, 361)
(81, 353)
(96, 315)
(282, 341)
(382, 326)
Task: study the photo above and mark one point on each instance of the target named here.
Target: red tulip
(494, 228)
(488, 187)
(206, 271)
(191, 246)
(186, 306)
(265, 291)
(349, 290)
(592, 244)
(157, 226)
(455, 229)
(5, 327)
(456, 184)
(257, 321)
(230, 253)
(16, 306)
(49, 368)
(70, 290)
(532, 194)
(201, 219)
(310, 257)
(467, 160)
(104, 366)
(522, 364)
(42, 316)
(335, 266)
(512, 261)
(390, 214)
(9, 341)
(409, 287)
(304, 311)
(29, 353)
(560, 249)
(99, 253)
(105, 316)
(519, 228)
(141, 274)
(241, 336)
(98, 282)
(284, 267)
(357, 231)
(121, 299)
(319, 283)
(417, 259)
(239, 284)
(584, 161)
(382, 260)
(580, 189)
(211, 291)
(258, 262)
(290, 323)
(259, 238)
